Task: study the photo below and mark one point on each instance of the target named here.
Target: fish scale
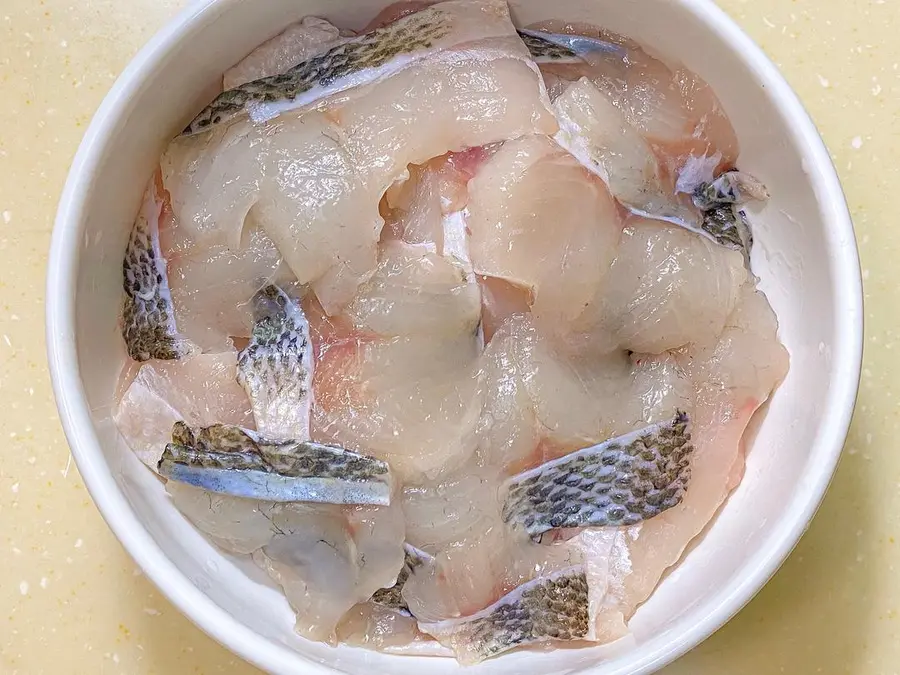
(620, 482)
(553, 607)
(392, 597)
(276, 367)
(231, 460)
(148, 317)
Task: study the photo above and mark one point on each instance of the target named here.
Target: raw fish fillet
(297, 43)
(374, 626)
(666, 288)
(200, 390)
(276, 367)
(549, 608)
(239, 462)
(148, 322)
(330, 559)
(619, 482)
(529, 184)
(314, 180)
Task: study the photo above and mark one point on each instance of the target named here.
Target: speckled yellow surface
(71, 601)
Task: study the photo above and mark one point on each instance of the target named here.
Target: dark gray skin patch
(620, 482)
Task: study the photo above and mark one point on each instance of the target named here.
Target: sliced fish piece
(276, 367)
(200, 390)
(597, 133)
(297, 43)
(373, 626)
(364, 59)
(391, 597)
(731, 187)
(620, 482)
(148, 321)
(239, 462)
(554, 607)
(563, 48)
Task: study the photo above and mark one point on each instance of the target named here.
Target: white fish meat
(276, 367)
(239, 462)
(200, 390)
(314, 179)
(527, 185)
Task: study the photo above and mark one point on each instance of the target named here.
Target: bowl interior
(805, 257)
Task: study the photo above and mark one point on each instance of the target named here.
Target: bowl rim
(275, 657)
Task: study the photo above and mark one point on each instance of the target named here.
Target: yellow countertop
(72, 601)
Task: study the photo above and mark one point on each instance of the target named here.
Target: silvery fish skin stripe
(391, 597)
(148, 317)
(554, 607)
(231, 460)
(561, 48)
(276, 367)
(332, 71)
(622, 481)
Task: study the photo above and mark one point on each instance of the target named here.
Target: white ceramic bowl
(806, 256)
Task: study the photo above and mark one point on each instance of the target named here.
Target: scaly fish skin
(562, 48)
(276, 367)
(415, 33)
(554, 607)
(723, 221)
(231, 460)
(620, 482)
(391, 597)
(148, 320)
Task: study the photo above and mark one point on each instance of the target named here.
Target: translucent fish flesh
(620, 482)
(200, 390)
(148, 322)
(329, 559)
(550, 608)
(297, 43)
(276, 367)
(364, 59)
(527, 184)
(239, 462)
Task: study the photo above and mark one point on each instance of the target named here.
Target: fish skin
(719, 200)
(405, 37)
(276, 367)
(392, 597)
(561, 48)
(554, 607)
(148, 316)
(231, 460)
(619, 482)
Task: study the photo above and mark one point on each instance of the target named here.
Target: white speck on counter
(865, 274)
(23, 587)
(78, 543)
(857, 142)
(823, 81)
(766, 21)
(151, 612)
(15, 488)
(44, 582)
(7, 217)
(32, 460)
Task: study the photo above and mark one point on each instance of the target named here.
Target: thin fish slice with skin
(276, 367)
(364, 59)
(597, 134)
(723, 219)
(561, 48)
(392, 597)
(554, 607)
(620, 482)
(239, 462)
(148, 323)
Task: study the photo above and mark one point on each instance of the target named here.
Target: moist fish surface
(549, 608)
(618, 483)
(276, 367)
(239, 462)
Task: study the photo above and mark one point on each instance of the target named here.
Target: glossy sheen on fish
(620, 482)
(276, 367)
(148, 322)
(359, 60)
(391, 597)
(231, 460)
(562, 48)
(554, 607)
